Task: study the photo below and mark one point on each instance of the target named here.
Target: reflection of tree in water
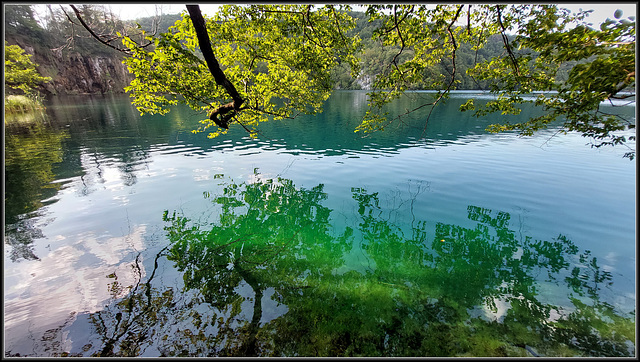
(19, 238)
(31, 152)
(423, 296)
(39, 152)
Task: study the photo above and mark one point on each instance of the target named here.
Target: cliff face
(88, 74)
(75, 73)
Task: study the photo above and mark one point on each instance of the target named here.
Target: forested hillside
(376, 59)
(78, 63)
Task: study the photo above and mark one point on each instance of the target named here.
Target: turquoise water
(128, 235)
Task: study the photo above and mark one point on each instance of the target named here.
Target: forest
(55, 32)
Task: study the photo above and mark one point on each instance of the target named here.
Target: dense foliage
(19, 19)
(284, 60)
(374, 58)
(604, 70)
(20, 72)
(20, 81)
(548, 43)
(279, 58)
(289, 53)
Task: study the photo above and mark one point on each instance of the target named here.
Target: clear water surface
(128, 235)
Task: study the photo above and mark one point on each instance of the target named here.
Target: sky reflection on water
(88, 255)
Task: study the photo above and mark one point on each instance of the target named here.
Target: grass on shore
(21, 103)
(22, 110)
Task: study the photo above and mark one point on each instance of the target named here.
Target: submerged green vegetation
(278, 278)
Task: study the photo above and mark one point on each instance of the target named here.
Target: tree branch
(75, 10)
(505, 40)
(109, 37)
(228, 110)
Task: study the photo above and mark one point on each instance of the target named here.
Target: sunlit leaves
(20, 71)
(279, 57)
(426, 37)
(602, 68)
(542, 43)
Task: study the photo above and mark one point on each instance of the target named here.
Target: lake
(129, 235)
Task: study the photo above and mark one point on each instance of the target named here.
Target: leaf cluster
(544, 49)
(20, 72)
(429, 40)
(279, 58)
(601, 68)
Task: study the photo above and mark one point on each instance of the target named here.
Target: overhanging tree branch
(505, 40)
(101, 37)
(228, 110)
(88, 28)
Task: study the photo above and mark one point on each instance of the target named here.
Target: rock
(75, 73)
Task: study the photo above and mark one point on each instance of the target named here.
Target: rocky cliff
(88, 74)
(75, 73)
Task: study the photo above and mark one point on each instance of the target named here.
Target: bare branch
(397, 27)
(505, 40)
(453, 72)
(96, 36)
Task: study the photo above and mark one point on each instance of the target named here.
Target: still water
(128, 235)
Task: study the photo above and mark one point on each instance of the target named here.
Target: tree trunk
(226, 111)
